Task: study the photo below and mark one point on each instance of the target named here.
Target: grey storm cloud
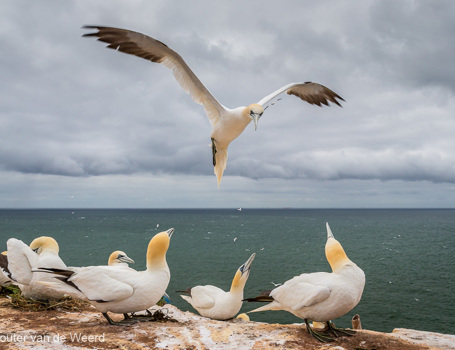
(71, 107)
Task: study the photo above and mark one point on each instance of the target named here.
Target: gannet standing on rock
(215, 303)
(320, 296)
(120, 289)
(24, 259)
(227, 124)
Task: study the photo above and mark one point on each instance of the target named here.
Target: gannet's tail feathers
(264, 297)
(221, 161)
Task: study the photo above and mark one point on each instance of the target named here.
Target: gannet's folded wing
(99, 283)
(204, 296)
(21, 261)
(300, 294)
(141, 45)
(312, 93)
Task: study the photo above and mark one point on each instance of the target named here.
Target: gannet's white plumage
(215, 303)
(320, 296)
(120, 289)
(227, 124)
(24, 259)
(119, 258)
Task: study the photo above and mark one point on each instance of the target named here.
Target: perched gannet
(5, 279)
(227, 124)
(23, 260)
(320, 296)
(119, 258)
(215, 303)
(120, 289)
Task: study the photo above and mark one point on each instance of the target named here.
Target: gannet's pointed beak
(329, 231)
(125, 259)
(170, 232)
(247, 265)
(255, 118)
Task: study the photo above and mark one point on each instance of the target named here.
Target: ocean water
(408, 255)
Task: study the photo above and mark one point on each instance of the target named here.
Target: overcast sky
(84, 126)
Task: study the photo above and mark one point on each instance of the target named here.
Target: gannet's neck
(238, 283)
(156, 251)
(335, 254)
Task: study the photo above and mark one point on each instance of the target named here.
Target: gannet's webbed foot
(321, 337)
(114, 323)
(213, 151)
(338, 331)
(127, 317)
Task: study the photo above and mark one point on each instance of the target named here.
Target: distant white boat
(239, 209)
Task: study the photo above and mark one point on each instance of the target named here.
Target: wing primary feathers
(4, 264)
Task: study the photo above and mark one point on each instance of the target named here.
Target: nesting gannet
(227, 124)
(119, 258)
(215, 303)
(5, 279)
(120, 289)
(23, 260)
(320, 296)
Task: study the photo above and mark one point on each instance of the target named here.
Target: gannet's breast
(229, 126)
(321, 296)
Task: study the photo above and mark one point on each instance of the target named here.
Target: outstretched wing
(141, 45)
(312, 93)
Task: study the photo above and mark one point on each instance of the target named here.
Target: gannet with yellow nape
(24, 259)
(215, 303)
(227, 124)
(320, 296)
(120, 289)
(119, 258)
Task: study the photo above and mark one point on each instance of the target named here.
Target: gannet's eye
(242, 268)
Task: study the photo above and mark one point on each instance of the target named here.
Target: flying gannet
(227, 124)
(120, 289)
(320, 296)
(215, 303)
(24, 259)
(5, 279)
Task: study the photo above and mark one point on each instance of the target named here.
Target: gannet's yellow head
(119, 257)
(334, 252)
(255, 112)
(44, 244)
(241, 276)
(157, 248)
